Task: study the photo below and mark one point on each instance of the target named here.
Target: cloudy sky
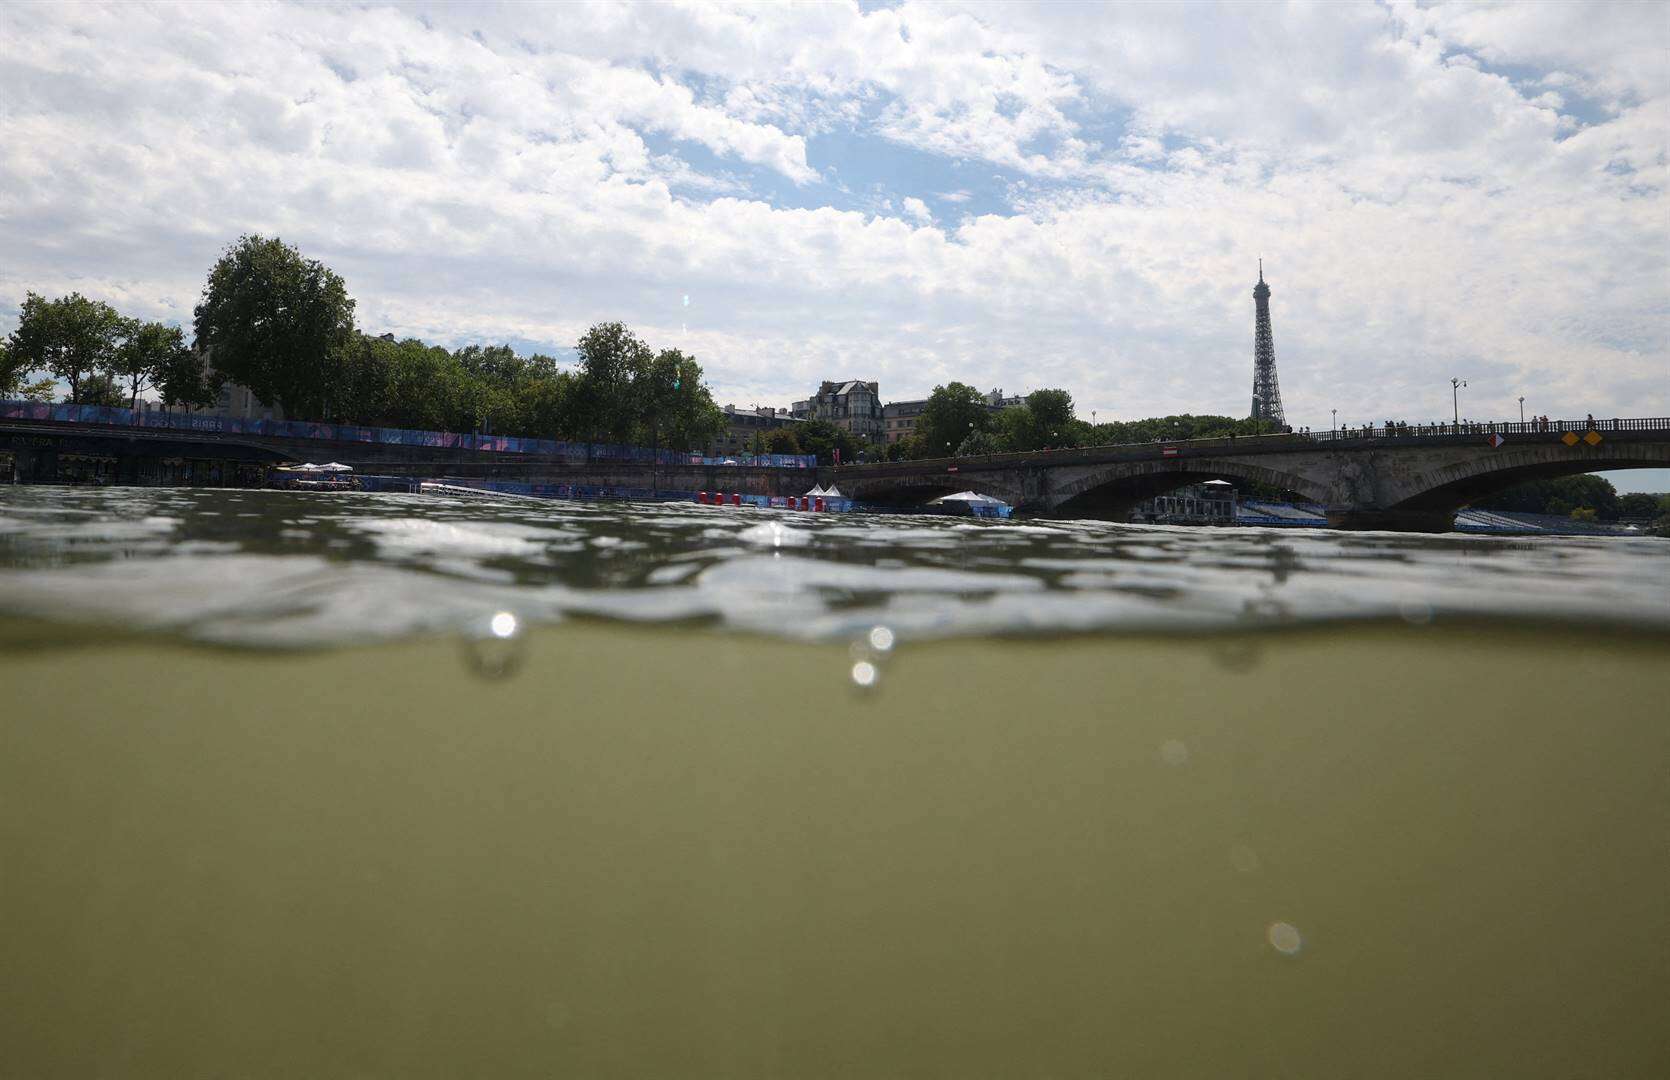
(1019, 195)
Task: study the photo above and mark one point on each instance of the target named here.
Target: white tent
(833, 492)
(817, 489)
(330, 467)
(967, 498)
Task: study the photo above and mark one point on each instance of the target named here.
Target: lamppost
(1336, 418)
(1521, 408)
(1455, 399)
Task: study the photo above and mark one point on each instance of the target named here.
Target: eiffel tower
(1266, 394)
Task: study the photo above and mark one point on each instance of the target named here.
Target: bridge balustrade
(1489, 427)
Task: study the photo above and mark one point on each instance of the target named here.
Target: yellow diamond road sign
(1592, 438)
(1569, 438)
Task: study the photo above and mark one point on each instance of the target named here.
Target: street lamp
(1336, 418)
(1455, 399)
(1521, 408)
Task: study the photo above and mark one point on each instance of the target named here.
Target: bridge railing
(1253, 443)
(1399, 430)
(199, 423)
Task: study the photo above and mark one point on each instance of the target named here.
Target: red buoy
(736, 498)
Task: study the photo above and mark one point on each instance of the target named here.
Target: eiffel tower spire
(1266, 395)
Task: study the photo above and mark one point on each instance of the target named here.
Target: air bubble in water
(1415, 613)
(494, 647)
(881, 639)
(864, 675)
(1173, 752)
(1284, 938)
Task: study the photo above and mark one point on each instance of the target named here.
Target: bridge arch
(1449, 488)
(908, 491)
(1116, 488)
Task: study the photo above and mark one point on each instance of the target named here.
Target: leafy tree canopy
(1558, 496)
(953, 413)
(276, 323)
(71, 337)
(149, 352)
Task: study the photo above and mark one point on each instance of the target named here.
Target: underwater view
(318, 783)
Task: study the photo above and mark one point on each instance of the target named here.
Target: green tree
(981, 442)
(147, 350)
(12, 372)
(277, 323)
(426, 387)
(905, 448)
(72, 337)
(548, 406)
(184, 380)
(783, 440)
(953, 413)
(1558, 496)
(821, 438)
(674, 407)
(610, 356)
(1051, 413)
(1639, 504)
(99, 388)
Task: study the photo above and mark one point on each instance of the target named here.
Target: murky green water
(275, 800)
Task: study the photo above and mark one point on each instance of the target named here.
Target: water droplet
(1264, 609)
(1244, 859)
(1284, 938)
(864, 675)
(494, 646)
(881, 639)
(1415, 613)
(1173, 752)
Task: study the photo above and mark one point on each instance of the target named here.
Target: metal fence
(299, 429)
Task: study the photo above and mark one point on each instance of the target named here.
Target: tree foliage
(822, 438)
(72, 337)
(149, 352)
(953, 413)
(276, 323)
(1640, 504)
(1558, 496)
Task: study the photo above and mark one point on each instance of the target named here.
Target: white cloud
(496, 172)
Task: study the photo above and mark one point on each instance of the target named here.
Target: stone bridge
(1411, 479)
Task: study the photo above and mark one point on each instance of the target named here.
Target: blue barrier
(570, 452)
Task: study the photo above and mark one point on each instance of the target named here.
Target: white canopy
(332, 466)
(972, 498)
(833, 492)
(817, 489)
